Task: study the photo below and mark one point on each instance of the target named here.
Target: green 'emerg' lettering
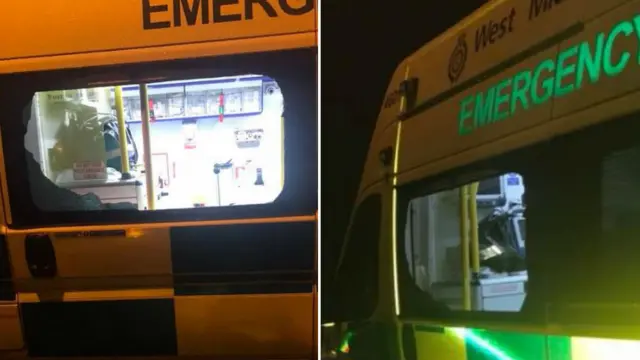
(564, 69)
(502, 98)
(484, 108)
(465, 114)
(545, 85)
(521, 86)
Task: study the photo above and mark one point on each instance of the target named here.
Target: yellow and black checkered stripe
(228, 290)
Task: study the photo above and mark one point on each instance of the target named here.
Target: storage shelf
(197, 117)
(201, 85)
(170, 84)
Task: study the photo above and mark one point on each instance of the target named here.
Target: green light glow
(345, 347)
(481, 343)
(551, 78)
(514, 346)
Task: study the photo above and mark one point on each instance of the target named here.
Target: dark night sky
(362, 43)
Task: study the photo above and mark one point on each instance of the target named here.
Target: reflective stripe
(107, 295)
(162, 225)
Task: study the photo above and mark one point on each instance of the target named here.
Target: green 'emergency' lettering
(546, 84)
(589, 61)
(551, 78)
(484, 108)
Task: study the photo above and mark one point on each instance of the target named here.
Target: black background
(362, 42)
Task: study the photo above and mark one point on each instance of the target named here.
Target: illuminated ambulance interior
(213, 142)
(434, 243)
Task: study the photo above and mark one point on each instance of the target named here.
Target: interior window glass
(440, 227)
(215, 142)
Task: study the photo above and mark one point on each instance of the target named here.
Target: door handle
(40, 256)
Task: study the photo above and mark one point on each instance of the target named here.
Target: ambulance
(497, 214)
(158, 177)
